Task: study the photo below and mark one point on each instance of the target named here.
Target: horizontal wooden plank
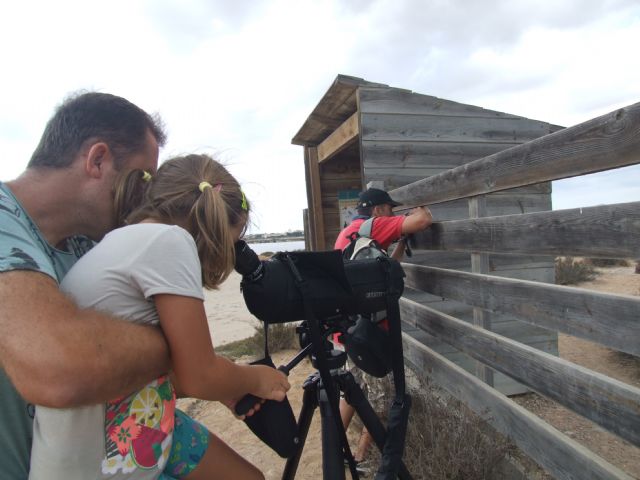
(561, 456)
(605, 318)
(603, 400)
(392, 100)
(606, 142)
(608, 231)
(339, 139)
(446, 154)
(380, 127)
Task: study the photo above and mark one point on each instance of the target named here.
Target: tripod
(316, 394)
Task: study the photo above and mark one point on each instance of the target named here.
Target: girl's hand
(231, 405)
(272, 383)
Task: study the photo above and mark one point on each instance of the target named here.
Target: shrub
(447, 441)
(607, 262)
(570, 271)
(282, 336)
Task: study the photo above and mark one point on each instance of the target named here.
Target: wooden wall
(605, 231)
(405, 137)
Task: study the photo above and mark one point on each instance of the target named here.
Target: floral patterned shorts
(190, 442)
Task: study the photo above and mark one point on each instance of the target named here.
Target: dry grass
(282, 336)
(607, 262)
(570, 271)
(447, 441)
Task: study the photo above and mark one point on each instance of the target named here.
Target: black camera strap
(398, 415)
(323, 367)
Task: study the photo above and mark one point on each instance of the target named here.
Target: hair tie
(244, 205)
(146, 176)
(204, 185)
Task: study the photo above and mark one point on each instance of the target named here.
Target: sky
(238, 79)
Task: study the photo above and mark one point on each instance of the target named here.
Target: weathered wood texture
(406, 137)
(436, 128)
(339, 139)
(558, 454)
(609, 231)
(305, 223)
(315, 205)
(605, 142)
(605, 401)
(339, 173)
(398, 101)
(337, 104)
(480, 264)
(605, 318)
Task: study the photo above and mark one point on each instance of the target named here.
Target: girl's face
(238, 229)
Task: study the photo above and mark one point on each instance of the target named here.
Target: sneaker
(363, 467)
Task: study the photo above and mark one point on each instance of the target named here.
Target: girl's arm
(199, 371)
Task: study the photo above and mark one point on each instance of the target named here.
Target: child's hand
(272, 384)
(231, 405)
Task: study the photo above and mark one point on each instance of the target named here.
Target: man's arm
(419, 219)
(58, 355)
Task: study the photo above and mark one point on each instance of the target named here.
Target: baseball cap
(374, 196)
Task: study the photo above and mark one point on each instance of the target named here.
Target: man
(386, 229)
(52, 353)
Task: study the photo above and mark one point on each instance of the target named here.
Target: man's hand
(418, 219)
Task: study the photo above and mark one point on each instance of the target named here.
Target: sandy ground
(229, 320)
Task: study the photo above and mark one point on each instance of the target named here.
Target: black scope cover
(333, 286)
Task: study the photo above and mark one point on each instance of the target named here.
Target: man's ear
(377, 211)
(97, 158)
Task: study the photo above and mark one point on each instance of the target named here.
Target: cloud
(240, 78)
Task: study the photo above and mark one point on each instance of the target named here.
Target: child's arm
(199, 371)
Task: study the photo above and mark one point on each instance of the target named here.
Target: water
(277, 246)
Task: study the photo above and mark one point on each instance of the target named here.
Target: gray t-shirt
(127, 438)
(22, 247)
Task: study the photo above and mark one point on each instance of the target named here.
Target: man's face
(383, 211)
(146, 159)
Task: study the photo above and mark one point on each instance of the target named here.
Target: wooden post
(480, 264)
(317, 218)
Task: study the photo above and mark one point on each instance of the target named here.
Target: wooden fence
(608, 231)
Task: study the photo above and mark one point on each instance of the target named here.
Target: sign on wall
(347, 203)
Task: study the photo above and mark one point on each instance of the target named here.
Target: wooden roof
(338, 104)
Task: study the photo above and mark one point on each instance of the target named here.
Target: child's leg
(221, 462)
(198, 454)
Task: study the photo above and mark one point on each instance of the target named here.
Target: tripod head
(334, 357)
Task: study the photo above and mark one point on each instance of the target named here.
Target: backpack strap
(366, 228)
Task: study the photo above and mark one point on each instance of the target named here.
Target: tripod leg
(332, 458)
(355, 397)
(309, 404)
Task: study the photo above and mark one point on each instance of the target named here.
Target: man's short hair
(100, 116)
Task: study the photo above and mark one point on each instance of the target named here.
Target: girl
(181, 228)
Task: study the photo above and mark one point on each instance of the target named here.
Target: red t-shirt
(385, 231)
